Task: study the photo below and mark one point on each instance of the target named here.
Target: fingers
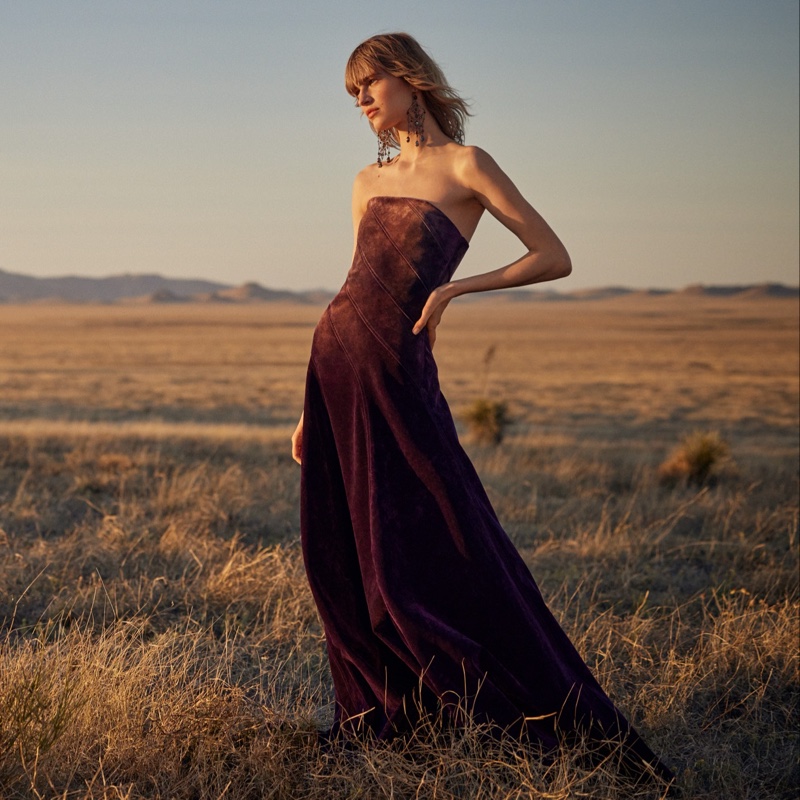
(427, 318)
(297, 446)
(421, 322)
(427, 312)
(426, 322)
(431, 314)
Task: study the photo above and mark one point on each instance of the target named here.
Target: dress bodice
(405, 248)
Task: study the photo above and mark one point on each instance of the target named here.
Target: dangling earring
(384, 140)
(415, 116)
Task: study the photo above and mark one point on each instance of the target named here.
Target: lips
(372, 112)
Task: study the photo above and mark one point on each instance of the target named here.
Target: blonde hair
(402, 56)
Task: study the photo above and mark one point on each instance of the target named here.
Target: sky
(214, 139)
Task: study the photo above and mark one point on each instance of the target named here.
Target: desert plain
(158, 637)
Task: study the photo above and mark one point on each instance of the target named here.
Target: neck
(432, 136)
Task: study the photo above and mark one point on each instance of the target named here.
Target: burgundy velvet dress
(425, 602)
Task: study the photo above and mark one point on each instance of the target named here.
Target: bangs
(359, 67)
(402, 56)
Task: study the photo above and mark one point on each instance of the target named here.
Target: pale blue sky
(215, 139)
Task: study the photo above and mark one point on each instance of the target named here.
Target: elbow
(549, 265)
(562, 263)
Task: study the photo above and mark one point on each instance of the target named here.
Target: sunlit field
(158, 637)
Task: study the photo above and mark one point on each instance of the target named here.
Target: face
(384, 99)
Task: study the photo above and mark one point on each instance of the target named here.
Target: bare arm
(546, 259)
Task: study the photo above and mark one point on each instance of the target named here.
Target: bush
(486, 421)
(696, 460)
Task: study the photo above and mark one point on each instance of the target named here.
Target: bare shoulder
(365, 177)
(472, 154)
(363, 188)
(474, 166)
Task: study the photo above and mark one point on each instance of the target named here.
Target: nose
(363, 98)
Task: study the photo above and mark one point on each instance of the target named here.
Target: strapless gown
(426, 604)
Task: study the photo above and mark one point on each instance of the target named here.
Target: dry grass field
(158, 638)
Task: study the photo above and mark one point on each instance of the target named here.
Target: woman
(427, 606)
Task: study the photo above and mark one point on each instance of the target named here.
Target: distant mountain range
(143, 289)
(18, 288)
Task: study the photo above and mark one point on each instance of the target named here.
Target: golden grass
(670, 363)
(158, 635)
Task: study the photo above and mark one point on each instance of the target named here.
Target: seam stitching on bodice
(424, 221)
(401, 253)
(381, 341)
(434, 206)
(382, 284)
(447, 272)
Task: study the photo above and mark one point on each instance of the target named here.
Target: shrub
(487, 420)
(696, 460)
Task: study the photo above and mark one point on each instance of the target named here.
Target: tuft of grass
(486, 420)
(38, 703)
(696, 461)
